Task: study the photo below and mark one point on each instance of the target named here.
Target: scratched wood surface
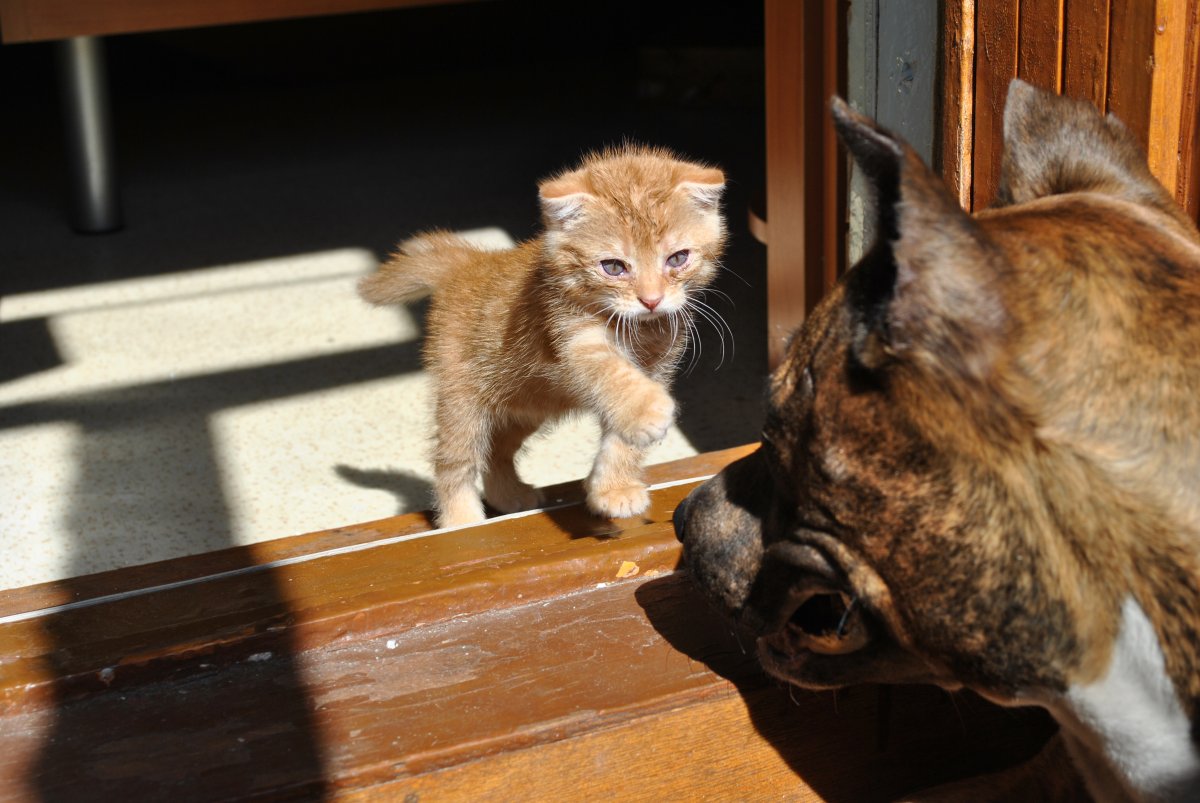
(552, 656)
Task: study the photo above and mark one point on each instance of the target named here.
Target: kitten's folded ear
(705, 185)
(562, 199)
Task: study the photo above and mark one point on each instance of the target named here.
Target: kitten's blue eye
(614, 267)
(677, 259)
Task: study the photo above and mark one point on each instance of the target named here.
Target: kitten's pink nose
(651, 302)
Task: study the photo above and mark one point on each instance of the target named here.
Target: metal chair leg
(95, 199)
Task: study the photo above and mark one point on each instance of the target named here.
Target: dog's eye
(828, 623)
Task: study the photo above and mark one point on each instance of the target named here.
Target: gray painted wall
(891, 76)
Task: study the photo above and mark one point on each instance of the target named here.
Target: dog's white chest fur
(1131, 721)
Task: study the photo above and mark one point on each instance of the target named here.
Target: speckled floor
(207, 377)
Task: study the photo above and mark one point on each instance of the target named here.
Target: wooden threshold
(536, 657)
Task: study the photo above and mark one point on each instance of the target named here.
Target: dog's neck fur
(1127, 732)
(1129, 580)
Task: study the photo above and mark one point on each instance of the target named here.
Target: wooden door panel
(1136, 60)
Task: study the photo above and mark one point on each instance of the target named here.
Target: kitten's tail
(416, 268)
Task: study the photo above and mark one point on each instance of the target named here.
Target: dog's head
(953, 418)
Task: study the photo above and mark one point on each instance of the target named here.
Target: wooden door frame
(804, 53)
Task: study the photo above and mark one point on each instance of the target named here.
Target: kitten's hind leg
(462, 438)
(502, 486)
(615, 488)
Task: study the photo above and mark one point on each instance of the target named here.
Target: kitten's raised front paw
(646, 419)
(619, 503)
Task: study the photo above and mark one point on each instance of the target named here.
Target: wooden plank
(790, 288)
(805, 183)
(1040, 55)
(1131, 54)
(1188, 187)
(42, 20)
(958, 98)
(996, 32)
(1169, 93)
(824, 747)
(833, 160)
(322, 597)
(591, 682)
(1085, 50)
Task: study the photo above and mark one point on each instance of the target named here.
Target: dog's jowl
(980, 467)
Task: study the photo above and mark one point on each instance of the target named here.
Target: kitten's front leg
(643, 415)
(635, 407)
(614, 488)
(635, 413)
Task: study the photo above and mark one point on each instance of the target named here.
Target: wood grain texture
(995, 65)
(788, 286)
(805, 226)
(1131, 66)
(1170, 96)
(1085, 50)
(1188, 187)
(958, 98)
(833, 186)
(42, 20)
(626, 687)
(1140, 61)
(246, 609)
(1040, 34)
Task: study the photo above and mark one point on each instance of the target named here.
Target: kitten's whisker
(721, 327)
(693, 340)
(623, 329)
(635, 333)
(705, 291)
(679, 334)
(718, 323)
(720, 333)
(721, 266)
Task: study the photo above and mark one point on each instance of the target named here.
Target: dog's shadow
(857, 744)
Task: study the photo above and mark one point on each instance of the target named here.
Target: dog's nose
(679, 517)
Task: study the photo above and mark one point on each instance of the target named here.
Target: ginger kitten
(592, 315)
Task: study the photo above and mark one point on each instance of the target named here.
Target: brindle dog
(980, 467)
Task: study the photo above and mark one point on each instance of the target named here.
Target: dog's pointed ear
(1055, 144)
(926, 294)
